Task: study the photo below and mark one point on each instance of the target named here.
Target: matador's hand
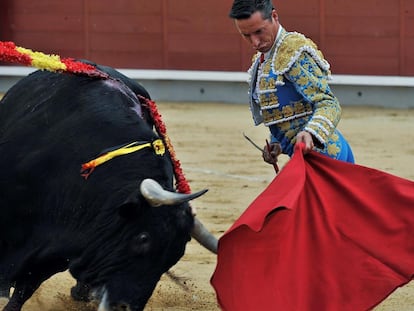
(271, 152)
(306, 138)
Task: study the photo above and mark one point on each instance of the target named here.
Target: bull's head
(156, 196)
(123, 288)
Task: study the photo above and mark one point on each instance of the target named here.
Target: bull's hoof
(80, 292)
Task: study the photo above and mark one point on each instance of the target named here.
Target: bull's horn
(204, 237)
(156, 195)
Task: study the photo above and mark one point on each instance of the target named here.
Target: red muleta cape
(325, 235)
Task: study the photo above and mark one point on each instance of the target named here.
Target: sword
(252, 142)
(275, 166)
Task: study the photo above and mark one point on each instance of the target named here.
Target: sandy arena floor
(209, 143)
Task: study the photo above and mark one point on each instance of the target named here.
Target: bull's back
(64, 112)
(50, 124)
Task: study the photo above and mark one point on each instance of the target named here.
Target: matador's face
(259, 32)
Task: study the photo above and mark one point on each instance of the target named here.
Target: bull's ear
(132, 206)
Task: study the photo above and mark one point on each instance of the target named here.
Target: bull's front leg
(21, 294)
(13, 306)
(23, 290)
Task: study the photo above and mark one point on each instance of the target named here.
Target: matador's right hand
(271, 152)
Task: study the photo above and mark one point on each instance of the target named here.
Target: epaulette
(290, 48)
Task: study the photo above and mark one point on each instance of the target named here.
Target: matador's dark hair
(242, 9)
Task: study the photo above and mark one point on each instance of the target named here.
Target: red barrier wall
(357, 37)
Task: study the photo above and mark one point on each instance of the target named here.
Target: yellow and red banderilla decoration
(87, 168)
(11, 53)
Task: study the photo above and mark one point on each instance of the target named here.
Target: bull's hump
(121, 87)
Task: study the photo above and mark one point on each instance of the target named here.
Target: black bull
(115, 233)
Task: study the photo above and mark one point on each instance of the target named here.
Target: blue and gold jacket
(293, 95)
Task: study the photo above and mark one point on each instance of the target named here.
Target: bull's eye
(143, 237)
(141, 243)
